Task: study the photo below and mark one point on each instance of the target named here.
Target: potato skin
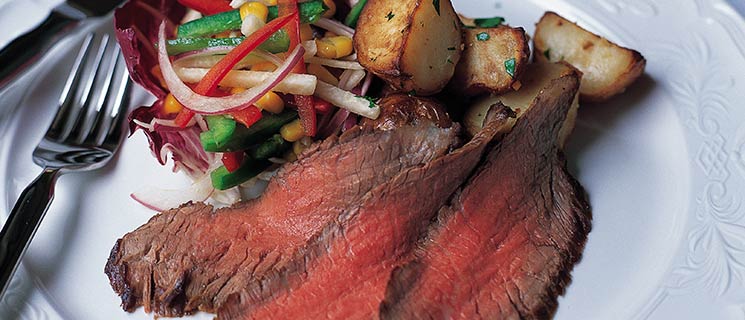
(482, 67)
(398, 109)
(538, 76)
(408, 44)
(608, 68)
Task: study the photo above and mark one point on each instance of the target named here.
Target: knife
(25, 50)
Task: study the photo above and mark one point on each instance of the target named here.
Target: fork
(84, 135)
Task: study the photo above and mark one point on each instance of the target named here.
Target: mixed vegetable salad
(242, 86)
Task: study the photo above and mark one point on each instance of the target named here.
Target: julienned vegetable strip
(207, 6)
(276, 43)
(219, 105)
(304, 103)
(218, 72)
(310, 11)
(354, 14)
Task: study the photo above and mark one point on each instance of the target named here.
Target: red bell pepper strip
(322, 106)
(184, 117)
(304, 104)
(247, 116)
(207, 7)
(218, 72)
(232, 160)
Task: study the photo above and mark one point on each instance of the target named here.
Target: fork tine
(119, 112)
(100, 122)
(78, 126)
(57, 128)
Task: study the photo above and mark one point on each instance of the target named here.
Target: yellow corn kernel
(224, 34)
(257, 9)
(237, 90)
(290, 156)
(171, 105)
(292, 131)
(334, 47)
(298, 147)
(269, 2)
(271, 102)
(306, 32)
(263, 66)
(322, 74)
(155, 71)
(332, 8)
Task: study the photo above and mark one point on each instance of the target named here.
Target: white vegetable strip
(237, 3)
(215, 105)
(159, 199)
(311, 48)
(335, 27)
(340, 64)
(350, 79)
(302, 84)
(347, 100)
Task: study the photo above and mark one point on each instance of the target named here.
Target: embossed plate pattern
(664, 166)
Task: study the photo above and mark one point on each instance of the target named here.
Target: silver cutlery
(84, 135)
(22, 52)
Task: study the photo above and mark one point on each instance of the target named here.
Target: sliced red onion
(335, 63)
(335, 27)
(349, 79)
(366, 84)
(216, 105)
(349, 123)
(335, 124)
(204, 52)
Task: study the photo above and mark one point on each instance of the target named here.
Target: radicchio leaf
(183, 144)
(136, 26)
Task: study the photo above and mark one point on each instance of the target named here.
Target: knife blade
(22, 53)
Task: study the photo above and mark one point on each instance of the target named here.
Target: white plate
(664, 166)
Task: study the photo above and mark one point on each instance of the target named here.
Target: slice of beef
(504, 247)
(193, 257)
(343, 273)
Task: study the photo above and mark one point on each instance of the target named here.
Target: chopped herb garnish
(483, 36)
(436, 3)
(450, 61)
(412, 92)
(369, 99)
(509, 66)
(547, 54)
(488, 22)
(451, 49)
(390, 15)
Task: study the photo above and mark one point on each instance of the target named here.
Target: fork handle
(22, 223)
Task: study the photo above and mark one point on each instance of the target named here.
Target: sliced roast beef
(504, 247)
(343, 272)
(192, 258)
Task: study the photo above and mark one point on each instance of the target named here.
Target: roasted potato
(493, 59)
(608, 68)
(537, 77)
(398, 109)
(413, 45)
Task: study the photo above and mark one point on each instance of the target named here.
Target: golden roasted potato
(493, 59)
(608, 68)
(538, 76)
(414, 45)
